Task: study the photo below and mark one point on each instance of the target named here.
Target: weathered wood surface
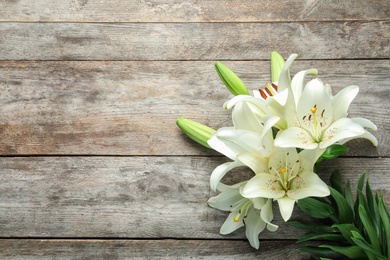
(193, 41)
(109, 78)
(130, 108)
(145, 249)
(134, 197)
(191, 11)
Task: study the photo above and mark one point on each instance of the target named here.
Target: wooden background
(92, 164)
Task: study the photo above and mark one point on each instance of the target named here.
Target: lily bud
(196, 131)
(232, 82)
(277, 63)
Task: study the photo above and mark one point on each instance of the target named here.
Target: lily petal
(244, 118)
(295, 137)
(254, 225)
(284, 78)
(263, 185)
(221, 147)
(341, 129)
(308, 184)
(254, 161)
(364, 123)
(308, 158)
(220, 171)
(230, 225)
(267, 215)
(342, 100)
(297, 84)
(286, 207)
(229, 199)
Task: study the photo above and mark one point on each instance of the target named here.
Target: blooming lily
(288, 177)
(318, 119)
(255, 214)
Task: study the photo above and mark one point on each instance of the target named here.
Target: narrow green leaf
(322, 251)
(314, 228)
(196, 131)
(370, 228)
(326, 236)
(333, 151)
(232, 82)
(385, 220)
(315, 208)
(336, 181)
(348, 195)
(372, 208)
(277, 63)
(346, 231)
(361, 181)
(352, 252)
(369, 249)
(345, 212)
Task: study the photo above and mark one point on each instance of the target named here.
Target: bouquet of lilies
(281, 133)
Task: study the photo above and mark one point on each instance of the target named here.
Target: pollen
(313, 109)
(282, 170)
(235, 219)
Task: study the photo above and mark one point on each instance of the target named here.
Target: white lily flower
(288, 177)
(320, 118)
(248, 137)
(271, 99)
(256, 214)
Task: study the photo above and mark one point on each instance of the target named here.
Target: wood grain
(135, 197)
(191, 11)
(145, 249)
(130, 108)
(193, 41)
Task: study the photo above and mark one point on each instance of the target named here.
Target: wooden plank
(193, 41)
(130, 108)
(192, 11)
(134, 197)
(145, 249)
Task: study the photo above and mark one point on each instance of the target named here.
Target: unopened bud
(232, 82)
(196, 131)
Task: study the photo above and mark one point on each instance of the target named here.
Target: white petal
(263, 185)
(364, 123)
(267, 215)
(308, 158)
(344, 128)
(295, 137)
(286, 207)
(221, 147)
(266, 142)
(342, 101)
(254, 225)
(258, 203)
(229, 199)
(297, 84)
(254, 161)
(284, 78)
(230, 225)
(239, 141)
(308, 184)
(284, 158)
(244, 118)
(315, 97)
(259, 103)
(220, 171)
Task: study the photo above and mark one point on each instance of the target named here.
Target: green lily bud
(196, 131)
(232, 82)
(277, 63)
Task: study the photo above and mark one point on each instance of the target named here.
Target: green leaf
(352, 252)
(361, 181)
(370, 251)
(370, 228)
(322, 251)
(333, 151)
(384, 215)
(315, 228)
(277, 63)
(372, 207)
(345, 212)
(336, 181)
(326, 236)
(232, 82)
(196, 131)
(346, 231)
(348, 195)
(315, 208)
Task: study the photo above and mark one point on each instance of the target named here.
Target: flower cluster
(279, 133)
